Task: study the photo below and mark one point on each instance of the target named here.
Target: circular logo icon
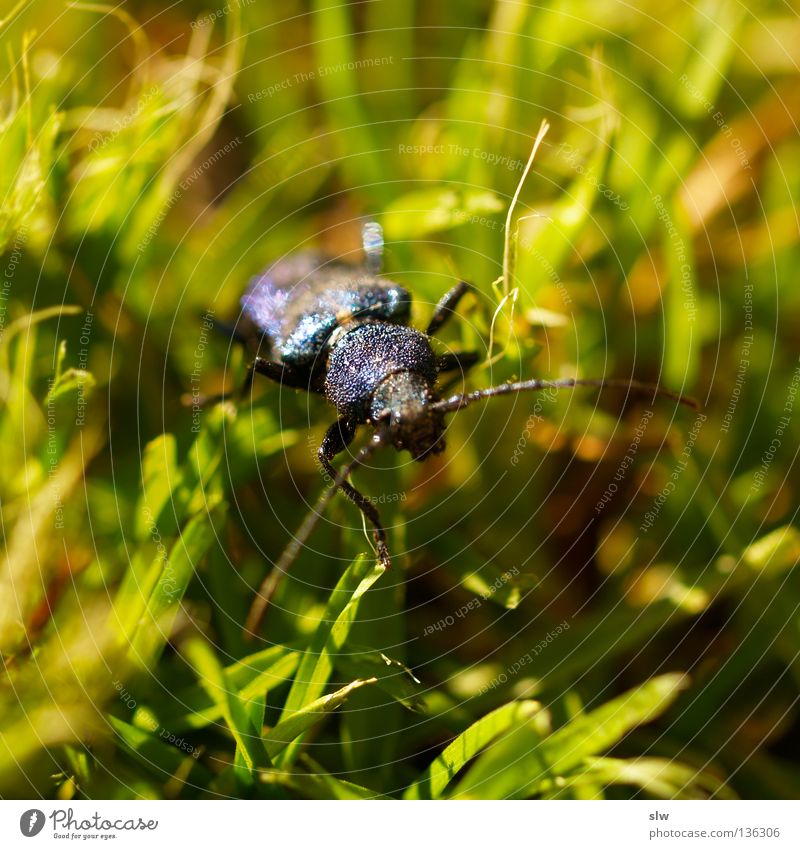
(31, 822)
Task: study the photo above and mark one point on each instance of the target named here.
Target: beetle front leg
(339, 435)
(462, 361)
(445, 308)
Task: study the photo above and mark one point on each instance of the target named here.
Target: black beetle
(342, 331)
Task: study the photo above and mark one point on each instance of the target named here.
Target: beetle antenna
(289, 554)
(456, 402)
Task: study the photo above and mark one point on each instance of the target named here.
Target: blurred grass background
(593, 596)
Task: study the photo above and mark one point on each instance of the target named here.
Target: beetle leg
(463, 361)
(285, 375)
(278, 372)
(460, 362)
(232, 331)
(445, 307)
(339, 435)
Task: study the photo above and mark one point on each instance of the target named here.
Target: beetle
(342, 331)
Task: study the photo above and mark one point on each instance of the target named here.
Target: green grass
(592, 597)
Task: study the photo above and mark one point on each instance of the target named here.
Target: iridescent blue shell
(299, 302)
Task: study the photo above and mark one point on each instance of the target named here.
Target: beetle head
(403, 401)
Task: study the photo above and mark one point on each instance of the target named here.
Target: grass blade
(257, 674)
(289, 730)
(520, 765)
(659, 777)
(160, 758)
(392, 676)
(150, 623)
(479, 735)
(317, 663)
(244, 719)
(319, 785)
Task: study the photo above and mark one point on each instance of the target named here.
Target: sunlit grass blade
(658, 777)
(520, 764)
(776, 552)
(147, 620)
(156, 756)
(26, 565)
(551, 237)
(336, 55)
(27, 154)
(682, 335)
(161, 475)
(68, 380)
(257, 674)
(391, 676)
(426, 211)
(717, 27)
(316, 785)
(297, 723)
(468, 744)
(243, 717)
(317, 663)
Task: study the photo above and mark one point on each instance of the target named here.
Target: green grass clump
(594, 596)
